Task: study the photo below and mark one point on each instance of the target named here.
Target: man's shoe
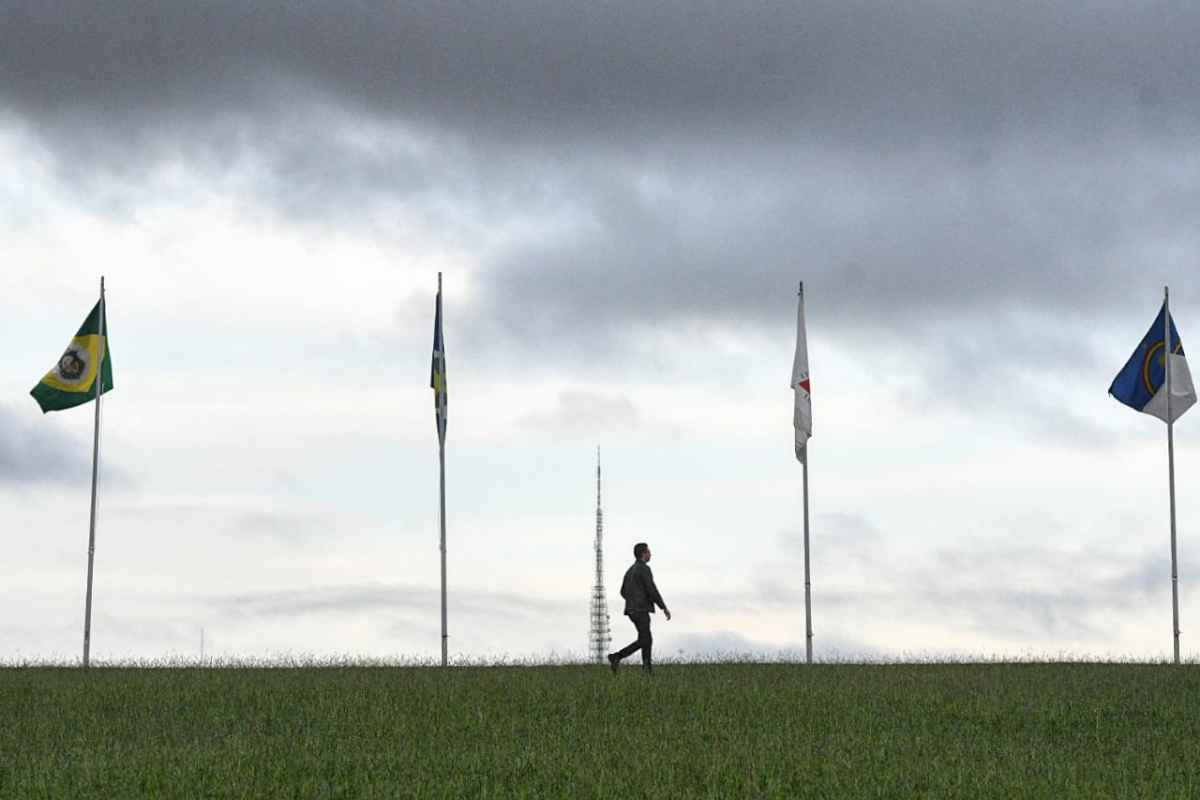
(613, 662)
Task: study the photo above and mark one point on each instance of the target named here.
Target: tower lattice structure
(601, 635)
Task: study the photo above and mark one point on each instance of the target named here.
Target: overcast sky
(983, 200)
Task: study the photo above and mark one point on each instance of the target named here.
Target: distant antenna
(601, 636)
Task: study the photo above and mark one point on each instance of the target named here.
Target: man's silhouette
(641, 595)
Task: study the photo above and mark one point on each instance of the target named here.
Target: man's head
(641, 551)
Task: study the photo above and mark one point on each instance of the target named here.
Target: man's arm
(652, 591)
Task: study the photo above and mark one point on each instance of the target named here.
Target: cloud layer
(672, 162)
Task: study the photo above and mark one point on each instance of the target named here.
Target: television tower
(601, 637)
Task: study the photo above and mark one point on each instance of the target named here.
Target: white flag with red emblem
(800, 385)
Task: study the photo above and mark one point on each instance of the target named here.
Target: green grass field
(692, 730)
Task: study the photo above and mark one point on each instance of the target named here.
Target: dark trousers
(641, 621)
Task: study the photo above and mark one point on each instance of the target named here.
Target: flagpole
(808, 634)
(442, 457)
(1171, 463)
(442, 497)
(99, 379)
(808, 639)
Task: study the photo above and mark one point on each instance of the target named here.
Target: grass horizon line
(310, 660)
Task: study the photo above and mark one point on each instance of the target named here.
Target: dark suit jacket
(639, 591)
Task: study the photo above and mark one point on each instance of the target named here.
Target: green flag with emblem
(72, 382)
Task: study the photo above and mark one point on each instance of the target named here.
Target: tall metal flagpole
(799, 379)
(442, 492)
(442, 458)
(808, 634)
(99, 379)
(1171, 463)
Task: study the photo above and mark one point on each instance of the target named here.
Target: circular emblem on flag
(1154, 366)
(72, 368)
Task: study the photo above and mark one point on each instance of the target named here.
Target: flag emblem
(72, 366)
(1152, 378)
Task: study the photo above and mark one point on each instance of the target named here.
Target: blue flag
(1141, 382)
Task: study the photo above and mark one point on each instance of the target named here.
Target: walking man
(641, 596)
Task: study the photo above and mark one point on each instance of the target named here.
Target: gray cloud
(944, 261)
(906, 97)
(525, 67)
(945, 179)
(37, 454)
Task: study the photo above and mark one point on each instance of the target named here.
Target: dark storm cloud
(885, 71)
(935, 172)
(37, 454)
(938, 259)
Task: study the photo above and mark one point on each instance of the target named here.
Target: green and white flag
(72, 382)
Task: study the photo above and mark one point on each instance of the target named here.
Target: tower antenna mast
(601, 634)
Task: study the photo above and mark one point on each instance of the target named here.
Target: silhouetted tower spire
(601, 636)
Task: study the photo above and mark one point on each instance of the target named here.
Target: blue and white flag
(1141, 382)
